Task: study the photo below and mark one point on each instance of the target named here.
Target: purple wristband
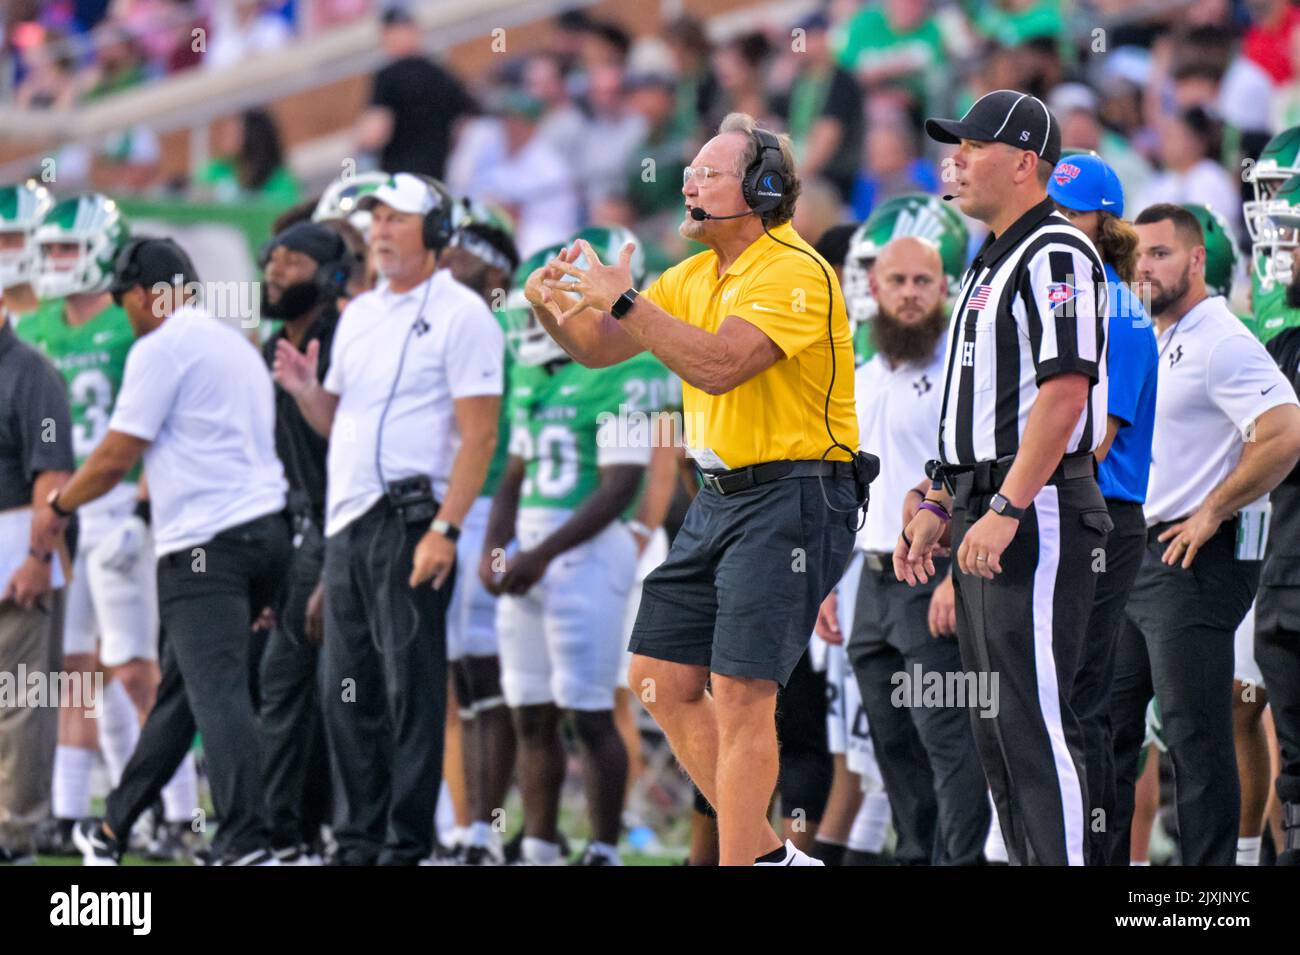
(934, 508)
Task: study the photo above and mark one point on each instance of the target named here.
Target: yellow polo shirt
(779, 414)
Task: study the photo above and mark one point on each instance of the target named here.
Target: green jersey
(1269, 312)
(497, 466)
(569, 422)
(91, 357)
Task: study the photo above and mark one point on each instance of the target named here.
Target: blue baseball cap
(1085, 183)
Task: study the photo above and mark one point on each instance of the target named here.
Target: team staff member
(749, 329)
(306, 270)
(410, 406)
(1089, 194)
(1023, 410)
(927, 755)
(1227, 432)
(32, 395)
(217, 496)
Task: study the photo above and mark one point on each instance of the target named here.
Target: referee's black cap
(150, 262)
(1004, 116)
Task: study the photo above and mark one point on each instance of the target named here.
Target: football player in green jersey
(112, 610)
(918, 214)
(1270, 252)
(482, 256)
(22, 207)
(564, 563)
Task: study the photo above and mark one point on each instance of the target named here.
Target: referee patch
(1058, 293)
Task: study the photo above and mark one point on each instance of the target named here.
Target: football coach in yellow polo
(756, 329)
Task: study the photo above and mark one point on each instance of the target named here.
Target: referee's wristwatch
(1000, 505)
(623, 304)
(446, 528)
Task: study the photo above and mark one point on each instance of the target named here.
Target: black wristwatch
(53, 501)
(446, 528)
(623, 304)
(1000, 505)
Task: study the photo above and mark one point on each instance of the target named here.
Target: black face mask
(295, 301)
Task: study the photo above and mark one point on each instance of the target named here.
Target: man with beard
(1227, 432)
(927, 755)
(305, 270)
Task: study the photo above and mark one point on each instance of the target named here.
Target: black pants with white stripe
(1178, 645)
(1025, 629)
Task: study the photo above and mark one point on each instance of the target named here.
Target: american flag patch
(979, 298)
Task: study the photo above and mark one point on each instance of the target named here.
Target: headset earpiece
(764, 183)
(437, 228)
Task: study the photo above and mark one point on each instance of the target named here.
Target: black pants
(926, 754)
(383, 689)
(1091, 698)
(208, 597)
(1178, 644)
(293, 731)
(804, 782)
(1025, 628)
(1277, 651)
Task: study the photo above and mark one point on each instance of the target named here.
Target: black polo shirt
(35, 422)
(301, 450)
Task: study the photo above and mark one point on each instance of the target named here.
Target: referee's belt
(742, 479)
(986, 477)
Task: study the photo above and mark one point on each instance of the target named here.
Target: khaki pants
(32, 639)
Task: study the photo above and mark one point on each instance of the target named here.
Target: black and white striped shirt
(1032, 305)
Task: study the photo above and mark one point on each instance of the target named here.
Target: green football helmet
(339, 201)
(466, 211)
(1220, 249)
(1283, 212)
(529, 342)
(95, 225)
(915, 214)
(22, 207)
(1279, 161)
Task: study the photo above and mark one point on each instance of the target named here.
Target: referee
(1023, 409)
(217, 495)
(756, 329)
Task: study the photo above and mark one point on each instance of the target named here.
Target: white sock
(482, 835)
(180, 797)
(72, 781)
(119, 729)
(995, 847)
(604, 849)
(539, 851)
(444, 817)
(1248, 850)
(1142, 864)
(871, 823)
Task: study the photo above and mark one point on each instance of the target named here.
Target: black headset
(765, 182)
(128, 271)
(438, 227)
(332, 275)
(764, 186)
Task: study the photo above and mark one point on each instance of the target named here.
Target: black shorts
(745, 576)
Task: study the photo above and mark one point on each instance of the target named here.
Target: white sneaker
(793, 857)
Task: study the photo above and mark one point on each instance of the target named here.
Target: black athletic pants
(926, 754)
(208, 598)
(383, 689)
(1277, 651)
(1091, 699)
(1025, 629)
(1177, 644)
(293, 731)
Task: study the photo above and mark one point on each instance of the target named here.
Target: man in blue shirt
(1088, 192)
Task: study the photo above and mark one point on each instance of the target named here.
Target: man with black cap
(1023, 409)
(305, 270)
(218, 494)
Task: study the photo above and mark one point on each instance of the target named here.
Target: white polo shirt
(199, 392)
(454, 348)
(898, 418)
(1215, 380)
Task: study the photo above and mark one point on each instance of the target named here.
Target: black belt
(742, 479)
(986, 477)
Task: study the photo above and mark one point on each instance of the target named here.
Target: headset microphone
(699, 215)
(949, 198)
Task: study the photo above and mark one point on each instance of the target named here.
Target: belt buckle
(712, 483)
(875, 562)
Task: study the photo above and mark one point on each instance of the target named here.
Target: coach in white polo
(197, 404)
(410, 406)
(1227, 432)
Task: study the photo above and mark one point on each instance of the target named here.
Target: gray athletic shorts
(745, 576)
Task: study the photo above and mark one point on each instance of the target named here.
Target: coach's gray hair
(744, 123)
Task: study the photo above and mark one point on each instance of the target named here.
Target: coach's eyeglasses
(702, 174)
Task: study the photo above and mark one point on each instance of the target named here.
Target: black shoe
(481, 855)
(595, 858)
(54, 838)
(255, 858)
(172, 842)
(513, 849)
(97, 846)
